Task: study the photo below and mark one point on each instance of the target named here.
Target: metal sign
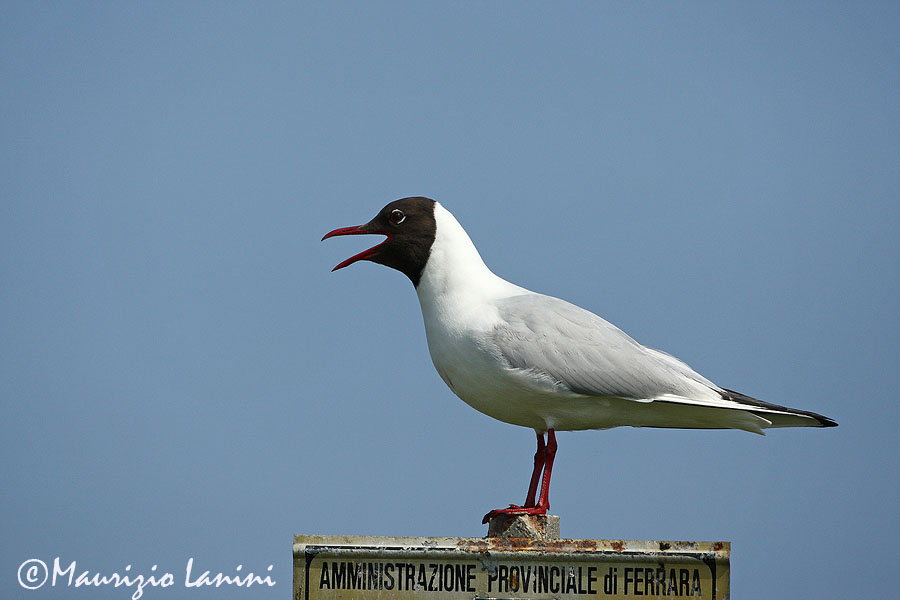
(363, 567)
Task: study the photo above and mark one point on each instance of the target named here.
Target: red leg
(539, 457)
(543, 460)
(544, 500)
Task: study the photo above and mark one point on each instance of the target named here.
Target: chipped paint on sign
(336, 567)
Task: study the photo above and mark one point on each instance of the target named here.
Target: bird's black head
(409, 225)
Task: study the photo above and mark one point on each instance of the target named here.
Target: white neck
(455, 268)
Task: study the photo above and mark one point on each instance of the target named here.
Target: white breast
(456, 293)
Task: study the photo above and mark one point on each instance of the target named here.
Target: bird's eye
(397, 216)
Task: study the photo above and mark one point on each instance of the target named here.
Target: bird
(537, 361)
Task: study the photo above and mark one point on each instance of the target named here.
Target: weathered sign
(363, 567)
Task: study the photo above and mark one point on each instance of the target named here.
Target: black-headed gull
(538, 361)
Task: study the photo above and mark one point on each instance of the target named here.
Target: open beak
(359, 230)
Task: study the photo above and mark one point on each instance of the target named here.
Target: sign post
(362, 567)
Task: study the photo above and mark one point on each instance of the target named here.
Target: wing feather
(586, 354)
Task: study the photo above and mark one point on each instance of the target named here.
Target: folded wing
(587, 355)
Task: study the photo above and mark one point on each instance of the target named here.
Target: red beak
(359, 230)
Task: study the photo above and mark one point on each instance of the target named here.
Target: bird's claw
(515, 509)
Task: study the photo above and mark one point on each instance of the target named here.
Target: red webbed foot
(515, 509)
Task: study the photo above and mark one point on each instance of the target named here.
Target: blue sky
(182, 375)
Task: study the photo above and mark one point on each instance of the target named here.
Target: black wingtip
(739, 397)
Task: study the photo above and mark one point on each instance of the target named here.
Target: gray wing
(587, 354)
